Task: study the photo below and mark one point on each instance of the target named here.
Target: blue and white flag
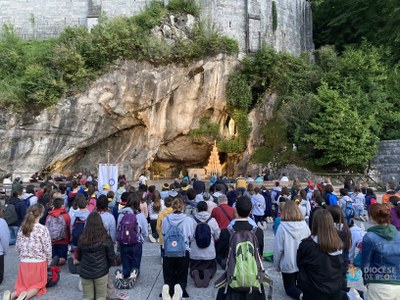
(108, 175)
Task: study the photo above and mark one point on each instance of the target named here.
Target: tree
(339, 134)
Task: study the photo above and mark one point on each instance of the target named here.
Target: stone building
(284, 24)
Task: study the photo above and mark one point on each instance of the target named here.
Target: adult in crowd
(292, 230)
(203, 265)
(380, 257)
(175, 269)
(394, 204)
(320, 261)
(96, 254)
(223, 214)
(198, 185)
(4, 242)
(20, 209)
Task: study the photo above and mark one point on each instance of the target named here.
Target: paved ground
(148, 285)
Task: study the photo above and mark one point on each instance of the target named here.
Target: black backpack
(202, 234)
(77, 230)
(10, 214)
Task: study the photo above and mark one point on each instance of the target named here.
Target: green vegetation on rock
(35, 74)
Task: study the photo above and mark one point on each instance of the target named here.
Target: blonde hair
(32, 214)
(291, 212)
(177, 204)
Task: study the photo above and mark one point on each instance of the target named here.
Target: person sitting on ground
(380, 256)
(96, 255)
(243, 209)
(34, 251)
(292, 230)
(202, 249)
(60, 235)
(223, 214)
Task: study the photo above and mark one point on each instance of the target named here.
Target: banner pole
(108, 166)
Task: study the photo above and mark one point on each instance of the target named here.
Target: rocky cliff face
(141, 113)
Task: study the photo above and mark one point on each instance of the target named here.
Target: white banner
(108, 174)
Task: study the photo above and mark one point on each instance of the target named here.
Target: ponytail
(32, 214)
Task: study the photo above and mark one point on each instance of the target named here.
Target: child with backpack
(177, 230)
(346, 204)
(96, 254)
(242, 245)
(359, 203)
(202, 249)
(132, 230)
(78, 219)
(58, 223)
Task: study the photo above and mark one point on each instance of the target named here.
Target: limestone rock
(138, 111)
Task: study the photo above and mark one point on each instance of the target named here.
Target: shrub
(191, 7)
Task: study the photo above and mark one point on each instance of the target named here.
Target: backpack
(27, 202)
(57, 227)
(333, 199)
(128, 229)
(349, 210)
(174, 241)
(202, 234)
(53, 276)
(77, 230)
(244, 269)
(10, 214)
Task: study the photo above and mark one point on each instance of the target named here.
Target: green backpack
(244, 269)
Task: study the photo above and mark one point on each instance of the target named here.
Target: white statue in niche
(231, 128)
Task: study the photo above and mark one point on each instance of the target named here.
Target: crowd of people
(317, 246)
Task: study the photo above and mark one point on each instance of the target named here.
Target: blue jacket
(380, 256)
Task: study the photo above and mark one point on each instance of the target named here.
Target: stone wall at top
(386, 164)
(248, 21)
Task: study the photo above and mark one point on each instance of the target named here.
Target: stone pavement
(150, 282)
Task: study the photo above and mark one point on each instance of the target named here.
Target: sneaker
(22, 296)
(7, 295)
(165, 292)
(118, 274)
(353, 294)
(134, 274)
(264, 225)
(177, 292)
(206, 279)
(152, 239)
(196, 278)
(55, 261)
(80, 285)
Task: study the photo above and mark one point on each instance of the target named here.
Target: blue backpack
(349, 211)
(77, 230)
(174, 241)
(333, 199)
(202, 234)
